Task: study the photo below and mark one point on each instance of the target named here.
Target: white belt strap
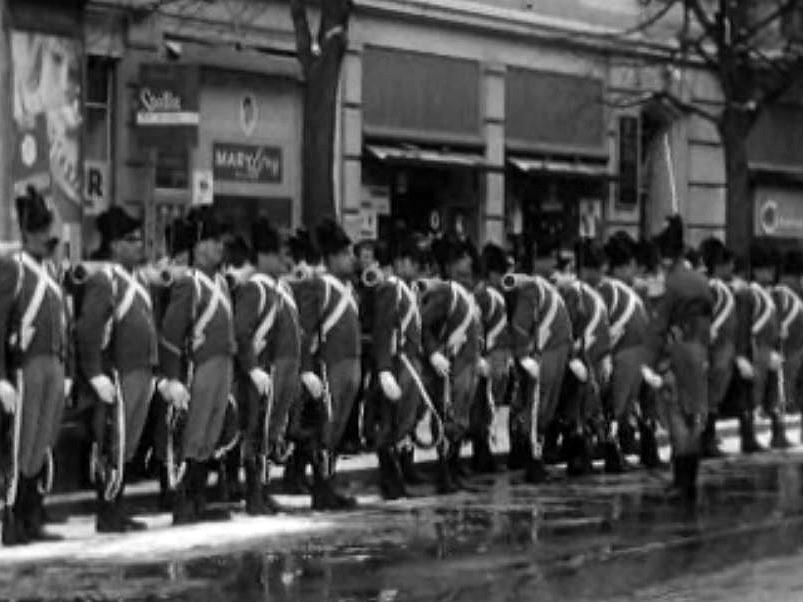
(795, 308)
(345, 301)
(766, 312)
(459, 335)
(633, 302)
(217, 298)
(725, 307)
(497, 302)
(596, 318)
(265, 283)
(412, 312)
(43, 282)
(134, 289)
(547, 317)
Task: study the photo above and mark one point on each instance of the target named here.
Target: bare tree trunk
(6, 127)
(734, 130)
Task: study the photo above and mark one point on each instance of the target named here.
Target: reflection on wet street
(599, 538)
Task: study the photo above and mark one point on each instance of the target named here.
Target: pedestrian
(678, 348)
(117, 354)
(196, 360)
(33, 387)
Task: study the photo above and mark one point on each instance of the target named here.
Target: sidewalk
(359, 470)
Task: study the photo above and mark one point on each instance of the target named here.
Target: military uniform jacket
(116, 326)
(493, 312)
(627, 314)
(724, 321)
(790, 313)
(396, 323)
(450, 322)
(589, 317)
(683, 313)
(540, 320)
(329, 319)
(198, 322)
(33, 311)
(265, 322)
(758, 322)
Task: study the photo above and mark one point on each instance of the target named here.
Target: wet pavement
(596, 538)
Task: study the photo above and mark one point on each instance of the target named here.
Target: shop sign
(779, 213)
(168, 95)
(96, 186)
(255, 164)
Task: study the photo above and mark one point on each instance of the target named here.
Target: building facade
(495, 117)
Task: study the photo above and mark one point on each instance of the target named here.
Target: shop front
(423, 153)
(558, 178)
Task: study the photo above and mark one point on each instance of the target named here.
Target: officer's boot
(412, 475)
(710, 444)
(779, 440)
(13, 529)
(106, 519)
(628, 442)
(579, 452)
(165, 501)
(684, 487)
(482, 458)
(648, 446)
(552, 451)
(387, 486)
(615, 462)
(201, 510)
(396, 475)
(747, 431)
(534, 468)
(294, 479)
(254, 491)
(517, 456)
(33, 515)
(123, 515)
(324, 496)
(446, 483)
(183, 497)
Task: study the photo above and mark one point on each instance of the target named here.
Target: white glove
(440, 364)
(313, 384)
(483, 368)
(745, 368)
(104, 388)
(261, 380)
(531, 367)
(390, 387)
(617, 333)
(8, 396)
(579, 370)
(776, 360)
(606, 368)
(651, 377)
(178, 394)
(161, 386)
(67, 387)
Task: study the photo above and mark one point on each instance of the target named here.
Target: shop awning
(771, 171)
(561, 167)
(426, 157)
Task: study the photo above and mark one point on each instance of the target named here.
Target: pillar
(492, 224)
(351, 136)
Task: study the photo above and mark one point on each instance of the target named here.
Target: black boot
(579, 450)
(387, 484)
(33, 514)
(165, 501)
(552, 451)
(446, 481)
(123, 516)
(779, 440)
(615, 462)
(648, 446)
(203, 512)
(684, 487)
(106, 519)
(324, 495)
(747, 431)
(517, 457)
(255, 501)
(710, 445)
(412, 475)
(13, 530)
(482, 459)
(183, 497)
(294, 479)
(534, 468)
(628, 442)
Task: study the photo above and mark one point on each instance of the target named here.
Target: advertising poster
(46, 71)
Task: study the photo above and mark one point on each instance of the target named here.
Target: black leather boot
(387, 485)
(106, 519)
(202, 511)
(648, 446)
(747, 431)
(615, 462)
(124, 517)
(779, 440)
(33, 513)
(183, 497)
(710, 445)
(410, 472)
(482, 458)
(294, 479)
(579, 451)
(534, 468)
(255, 491)
(13, 529)
(446, 483)
(517, 456)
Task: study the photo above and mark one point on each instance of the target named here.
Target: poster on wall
(47, 116)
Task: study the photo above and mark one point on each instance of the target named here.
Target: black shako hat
(793, 263)
(331, 238)
(589, 254)
(115, 223)
(714, 253)
(670, 239)
(199, 225)
(33, 214)
(620, 249)
(265, 238)
(763, 255)
(494, 259)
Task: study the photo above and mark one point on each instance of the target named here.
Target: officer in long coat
(268, 358)
(678, 348)
(32, 376)
(330, 358)
(196, 360)
(117, 353)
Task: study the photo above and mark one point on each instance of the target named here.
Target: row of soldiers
(585, 358)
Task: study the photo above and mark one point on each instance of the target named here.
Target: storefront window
(173, 168)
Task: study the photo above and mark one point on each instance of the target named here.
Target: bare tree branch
(686, 107)
(298, 11)
(708, 25)
(784, 9)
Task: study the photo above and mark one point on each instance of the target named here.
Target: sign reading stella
(257, 164)
(167, 105)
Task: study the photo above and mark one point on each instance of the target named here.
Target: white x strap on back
(546, 290)
(725, 305)
(497, 302)
(345, 301)
(44, 281)
(599, 310)
(765, 312)
(459, 335)
(794, 307)
(265, 283)
(217, 298)
(134, 289)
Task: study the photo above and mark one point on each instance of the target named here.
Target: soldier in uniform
(395, 328)
(196, 359)
(268, 348)
(32, 359)
(117, 351)
(718, 262)
(497, 353)
(541, 333)
(789, 300)
(678, 346)
(451, 337)
(330, 359)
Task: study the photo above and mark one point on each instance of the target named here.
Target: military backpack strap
(265, 283)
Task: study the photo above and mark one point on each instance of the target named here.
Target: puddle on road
(585, 540)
